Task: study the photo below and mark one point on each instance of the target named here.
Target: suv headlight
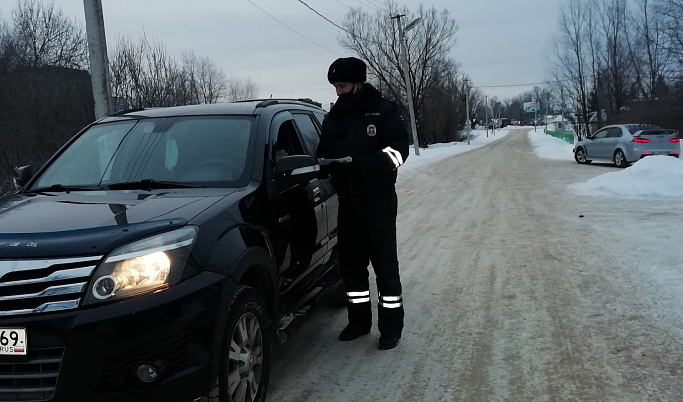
(142, 266)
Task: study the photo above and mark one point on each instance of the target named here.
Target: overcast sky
(500, 43)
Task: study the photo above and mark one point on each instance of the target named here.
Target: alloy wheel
(245, 361)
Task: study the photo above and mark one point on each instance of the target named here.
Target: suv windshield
(196, 151)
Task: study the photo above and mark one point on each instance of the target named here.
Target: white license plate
(13, 341)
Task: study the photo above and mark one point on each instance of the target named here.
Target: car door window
(308, 131)
(319, 116)
(287, 141)
(614, 132)
(601, 134)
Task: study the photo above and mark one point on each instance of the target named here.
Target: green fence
(563, 136)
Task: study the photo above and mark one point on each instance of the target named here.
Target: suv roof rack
(122, 112)
(270, 102)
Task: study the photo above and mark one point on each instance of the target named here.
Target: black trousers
(367, 234)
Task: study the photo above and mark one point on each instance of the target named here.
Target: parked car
(624, 144)
(159, 254)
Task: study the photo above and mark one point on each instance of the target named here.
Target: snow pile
(653, 176)
(549, 147)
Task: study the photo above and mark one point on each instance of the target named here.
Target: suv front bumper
(93, 352)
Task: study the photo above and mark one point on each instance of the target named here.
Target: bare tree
(671, 13)
(614, 25)
(209, 82)
(570, 58)
(43, 36)
(145, 74)
(650, 61)
(241, 89)
(376, 40)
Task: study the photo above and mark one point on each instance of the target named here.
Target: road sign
(531, 107)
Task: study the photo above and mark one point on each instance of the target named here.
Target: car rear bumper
(95, 351)
(639, 153)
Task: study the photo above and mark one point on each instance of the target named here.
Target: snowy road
(510, 294)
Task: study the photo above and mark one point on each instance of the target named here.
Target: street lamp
(406, 75)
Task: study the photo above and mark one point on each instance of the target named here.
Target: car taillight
(675, 140)
(642, 140)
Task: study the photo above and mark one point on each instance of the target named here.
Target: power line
(519, 85)
(335, 24)
(367, 3)
(291, 29)
(504, 86)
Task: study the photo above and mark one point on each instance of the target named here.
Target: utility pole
(546, 111)
(487, 115)
(406, 75)
(467, 108)
(536, 107)
(99, 63)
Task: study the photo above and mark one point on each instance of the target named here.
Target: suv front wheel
(245, 361)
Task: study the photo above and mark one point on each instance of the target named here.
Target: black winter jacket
(372, 131)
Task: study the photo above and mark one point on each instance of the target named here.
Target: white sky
(499, 42)
(654, 177)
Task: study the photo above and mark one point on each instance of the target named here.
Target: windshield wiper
(147, 184)
(58, 188)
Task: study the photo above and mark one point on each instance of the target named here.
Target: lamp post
(406, 75)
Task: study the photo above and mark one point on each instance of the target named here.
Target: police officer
(363, 142)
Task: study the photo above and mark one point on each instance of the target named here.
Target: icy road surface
(515, 289)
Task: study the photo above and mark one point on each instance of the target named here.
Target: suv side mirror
(297, 169)
(22, 175)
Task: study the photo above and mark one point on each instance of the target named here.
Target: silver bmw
(624, 144)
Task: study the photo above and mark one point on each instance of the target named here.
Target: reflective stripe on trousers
(358, 297)
(390, 301)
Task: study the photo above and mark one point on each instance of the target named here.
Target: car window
(287, 141)
(601, 134)
(308, 131)
(614, 132)
(179, 149)
(86, 160)
(319, 116)
(633, 128)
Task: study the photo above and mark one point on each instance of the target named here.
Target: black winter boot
(352, 332)
(387, 342)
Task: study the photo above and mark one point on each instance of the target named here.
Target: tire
(246, 352)
(620, 159)
(580, 156)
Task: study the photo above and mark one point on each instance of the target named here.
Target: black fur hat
(347, 69)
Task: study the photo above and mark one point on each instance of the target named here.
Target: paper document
(323, 161)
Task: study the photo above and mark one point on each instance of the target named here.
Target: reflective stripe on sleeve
(394, 155)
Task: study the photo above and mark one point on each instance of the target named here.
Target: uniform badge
(372, 130)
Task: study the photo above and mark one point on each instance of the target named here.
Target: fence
(563, 136)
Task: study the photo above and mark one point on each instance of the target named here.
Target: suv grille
(38, 286)
(33, 380)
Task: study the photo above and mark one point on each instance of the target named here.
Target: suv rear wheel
(245, 360)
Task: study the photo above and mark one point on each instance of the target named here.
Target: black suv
(159, 254)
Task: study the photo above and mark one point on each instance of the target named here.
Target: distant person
(368, 137)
